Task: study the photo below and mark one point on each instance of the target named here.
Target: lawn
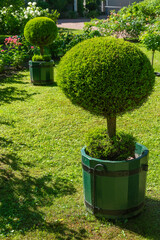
(41, 192)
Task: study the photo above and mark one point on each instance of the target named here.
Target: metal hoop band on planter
(115, 189)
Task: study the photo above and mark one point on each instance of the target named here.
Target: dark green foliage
(60, 5)
(93, 9)
(92, 14)
(92, 6)
(46, 58)
(118, 148)
(42, 4)
(1, 66)
(2, 38)
(16, 3)
(106, 76)
(80, 7)
(40, 31)
(64, 7)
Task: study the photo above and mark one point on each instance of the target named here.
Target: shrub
(15, 51)
(151, 38)
(92, 14)
(13, 21)
(9, 22)
(46, 58)
(1, 66)
(118, 148)
(129, 22)
(40, 32)
(92, 6)
(66, 40)
(92, 9)
(107, 77)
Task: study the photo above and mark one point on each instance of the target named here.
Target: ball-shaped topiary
(40, 31)
(107, 77)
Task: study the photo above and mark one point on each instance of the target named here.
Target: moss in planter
(118, 148)
(46, 58)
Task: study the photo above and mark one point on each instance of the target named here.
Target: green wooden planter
(115, 189)
(41, 72)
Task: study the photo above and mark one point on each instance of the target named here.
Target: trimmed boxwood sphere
(40, 31)
(106, 76)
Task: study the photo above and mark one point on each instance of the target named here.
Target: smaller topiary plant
(40, 31)
(107, 77)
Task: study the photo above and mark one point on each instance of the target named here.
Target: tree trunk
(152, 57)
(41, 50)
(111, 126)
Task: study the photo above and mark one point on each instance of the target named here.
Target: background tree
(151, 37)
(16, 3)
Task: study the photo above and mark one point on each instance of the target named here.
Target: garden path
(74, 23)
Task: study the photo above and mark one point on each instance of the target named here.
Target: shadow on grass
(22, 195)
(10, 94)
(62, 232)
(146, 224)
(54, 84)
(12, 77)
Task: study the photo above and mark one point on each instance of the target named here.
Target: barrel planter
(115, 189)
(41, 72)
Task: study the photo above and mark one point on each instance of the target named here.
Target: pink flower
(2, 50)
(32, 47)
(14, 40)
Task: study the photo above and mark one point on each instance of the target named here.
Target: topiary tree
(107, 77)
(16, 3)
(151, 38)
(40, 31)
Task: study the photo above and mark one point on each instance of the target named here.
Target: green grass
(41, 192)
